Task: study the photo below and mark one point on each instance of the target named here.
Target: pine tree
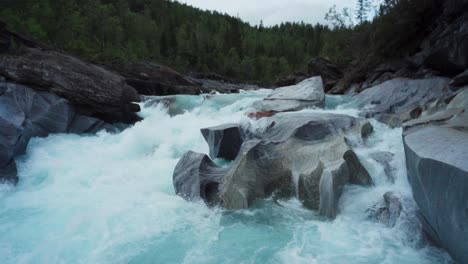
(363, 8)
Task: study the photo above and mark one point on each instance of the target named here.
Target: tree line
(193, 40)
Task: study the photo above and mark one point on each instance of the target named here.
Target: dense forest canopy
(192, 40)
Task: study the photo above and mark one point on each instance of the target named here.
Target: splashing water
(109, 199)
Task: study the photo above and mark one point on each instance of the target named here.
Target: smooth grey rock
(308, 90)
(197, 177)
(436, 118)
(258, 171)
(389, 211)
(306, 149)
(331, 187)
(358, 174)
(436, 160)
(306, 94)
(292, 147)
(309, 186)
(460, 100)
(26, 113)
(224, 141)
(280, 105)
(401, 99)
(305, 126)
(384, 158)
(460, 80)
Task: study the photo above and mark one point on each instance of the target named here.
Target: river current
(109, 198)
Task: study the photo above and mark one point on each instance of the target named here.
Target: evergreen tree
(363, 8)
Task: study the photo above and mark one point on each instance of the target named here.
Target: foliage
(192, 40)
(186, 38)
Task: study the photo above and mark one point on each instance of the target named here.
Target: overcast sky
(273, 11)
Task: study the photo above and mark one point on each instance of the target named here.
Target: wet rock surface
(398, 100)
(26, 113)
(197, 177)
(224, 141)
(96, 90)
(304, 149)
(306, 94)
(154, 79)
(388, 211)
(438, 174)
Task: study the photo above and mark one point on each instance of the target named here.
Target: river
(109, 198)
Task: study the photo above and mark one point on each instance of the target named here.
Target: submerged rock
(224, 141)
(389, 211)
(384, 159)
(306, 94)
(436, 160)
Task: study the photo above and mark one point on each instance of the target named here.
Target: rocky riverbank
(310, 156)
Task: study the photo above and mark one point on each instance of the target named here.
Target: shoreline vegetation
(194, 41)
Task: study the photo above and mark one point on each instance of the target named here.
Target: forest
(196, 41)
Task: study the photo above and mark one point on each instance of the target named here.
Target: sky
(273, 12)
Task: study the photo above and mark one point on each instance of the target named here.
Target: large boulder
(398, 100)
(329, 72)
(304, 152)
(292, 79)
(436, 160)
(197, 177)
(154, 79)
(308, 93)
(97, 91)
(26, 113)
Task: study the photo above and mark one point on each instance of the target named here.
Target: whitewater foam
(108, 198)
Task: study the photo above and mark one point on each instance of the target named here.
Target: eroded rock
(401, 99)
(224, 141)
(197, 177)
(306, 94)
(100, 92)
(306, 150)
(26, 113)
(436, 160)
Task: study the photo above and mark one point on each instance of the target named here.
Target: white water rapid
(108, 198)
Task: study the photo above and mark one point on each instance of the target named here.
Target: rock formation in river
(434, 117)
(436, 147)
(95, 90)
(308, 93)
(303, 153)
(26, 113)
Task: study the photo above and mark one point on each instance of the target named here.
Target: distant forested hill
(192, 40)
(186, 38)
